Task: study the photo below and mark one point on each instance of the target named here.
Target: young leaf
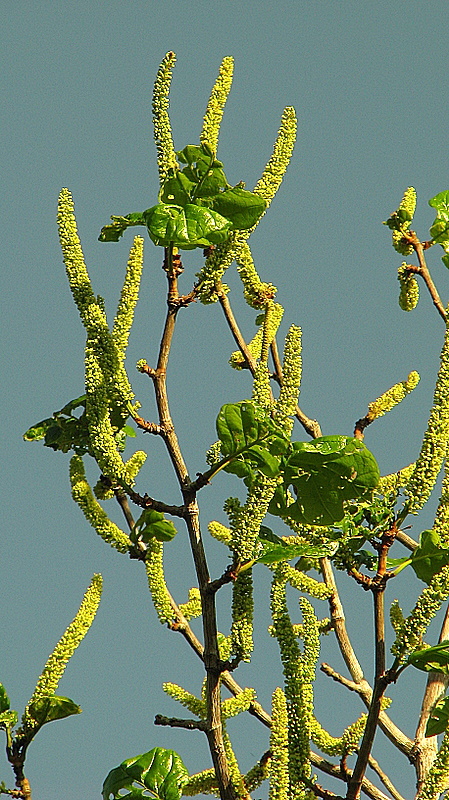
(324, 473)
(8, 719)
(439, 718)
(267, 535)
(152, 525)
(439, 230)
(159, 771)
(112, 233)
(51, 707)
(246, 432)
(432, 659)
(429, 557)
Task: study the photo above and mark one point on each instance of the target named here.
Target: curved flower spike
(215, 106)
(166, 158)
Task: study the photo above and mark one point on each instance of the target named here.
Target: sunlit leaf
(432, 659)
(51, 707)
(430, 556)
(188, 227)
(152, 525)
(159, 771)
(324, 473)
(243, 208)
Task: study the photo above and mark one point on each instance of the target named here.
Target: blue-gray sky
(369, 82)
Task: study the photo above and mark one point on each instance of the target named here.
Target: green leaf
(439, 718)
(432, 659)
(51, 707)
(112, 233)
(4, 699)
(439, 230)
(152, 525)
(188, 227)
(267, 535)
(249, 439)
(324, 473)
(177, 190)
(288, 551)
(429, 557)
(159, 771)
(243, 208)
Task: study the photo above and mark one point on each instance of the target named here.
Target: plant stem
(423, 270)
(211, 657)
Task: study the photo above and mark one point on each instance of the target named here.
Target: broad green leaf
(187, 228)
(439, 718)
(324, 473)
(288, 551)
(249, 439)
(267, 535)
(203, 169)
(429, 557)
(439, 230)
(159, 771)
(51, 707)
(243, 208)
(177, 190)
(8, 719)
(432, 659)
(152, 525)
(112, 233)
(4, 699)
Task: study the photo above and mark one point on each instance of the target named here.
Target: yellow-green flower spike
(396, 617)
(216, 104)
(242, 616)
(238, 704)
(54, 668)
(261, 386)
(437, 778)
(271, 178)
(128, 298)
(94, 513)
(257, 774)
(220, 532)
(154, 567)
(134, 465)
(201, 783)
(341, 745)
(236, 776)
(166, 158)
(187, 699)
(72, 253)
(256, 292)
(278, 768)
(400, 221)
(193, 606)
(410, 633)
(291, 380)
(434, 446)
(409, 292)
(391, 398)
(395, 480)
(441, 524)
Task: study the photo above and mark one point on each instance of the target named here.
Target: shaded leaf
(439, 230)
(429, 557)
(267, 535)
(439, 718)
(8, 719)
(51, 707)
(248, 434)
(159, 771)
(112, 233)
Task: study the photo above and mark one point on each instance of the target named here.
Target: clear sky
(369, 82)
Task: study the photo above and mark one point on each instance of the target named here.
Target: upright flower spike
(399, 222)
(441, 524)
(54, 668)
(389, 399)
(256, 291)
(437, 778)
(291, 377)
(435, 441)
(166, 158)
(93, 512)
(215, 106)
(409, 634)
(278, 768)
(128, 298)
(272, 176)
